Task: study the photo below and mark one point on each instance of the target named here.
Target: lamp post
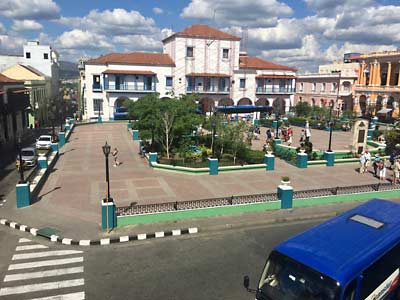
(277, 125)
(214, 125)
(106, 151)
(331, 107)
(21, 163)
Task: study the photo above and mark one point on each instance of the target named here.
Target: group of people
(380, 165)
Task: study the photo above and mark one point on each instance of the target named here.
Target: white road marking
(1, 204)
(45, 254)
(30, 247)
(22, 227)
(193, 230)
(41, 287)
(73, 296)
(141, 236)
(176, 232)
(24, 240)
(44, 263)
(160, 234)
(105, 241)
(41, 274)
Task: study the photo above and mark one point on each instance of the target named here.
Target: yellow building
(40, 89)
(377, 91)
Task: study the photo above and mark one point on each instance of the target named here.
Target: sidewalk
(70, 200)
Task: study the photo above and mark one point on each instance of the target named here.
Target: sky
(300, 33)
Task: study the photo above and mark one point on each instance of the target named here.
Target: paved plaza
(72, 195)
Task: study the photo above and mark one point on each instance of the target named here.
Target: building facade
(378, 85)
(321, 89)
(201, 60)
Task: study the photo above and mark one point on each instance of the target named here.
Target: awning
(384, 111)
(276, 76)
(207, 75)
(20, 91)
(129, 72)
(243, 109)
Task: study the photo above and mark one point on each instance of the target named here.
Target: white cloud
(32, 9)
(237, 12)
(79, 39)
(157, 10)
(333, 7)
(112, 22)
(11, 44)
(2, 29)
(139, 42)
(26, 25)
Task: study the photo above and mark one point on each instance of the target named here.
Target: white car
(43, 142)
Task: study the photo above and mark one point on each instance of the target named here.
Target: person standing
(396, 171)
(382, 170)
(362, 163)
(375, 164)
(308, 131)
(367, 159)
(115, 155)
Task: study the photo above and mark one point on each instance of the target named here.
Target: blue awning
(243, 109)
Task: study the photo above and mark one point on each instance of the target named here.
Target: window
(301, 87)
(189, 52)
(225, 53)
(45, 55)
(28, 55)
(334, 87)
(98, 106)
(96, 82)
(168, 81)
(323, 87)
(242, 83)
(380, 271)
(314, 86)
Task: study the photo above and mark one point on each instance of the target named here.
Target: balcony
(96, 87)
(208, 90)
(377, 88)
(132, 87)
(272, 90)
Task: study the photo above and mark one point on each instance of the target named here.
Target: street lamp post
(331, 108)
(277, 125)
(214, 125)
(21, 163)
(106, 151)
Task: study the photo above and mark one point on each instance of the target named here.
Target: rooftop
(341, 247)
(135, 58)
(5, 79)
(248, 62)
(380, 54)
(204, 31)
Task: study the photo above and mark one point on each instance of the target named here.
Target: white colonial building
(200, 59)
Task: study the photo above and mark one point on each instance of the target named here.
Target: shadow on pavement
(61, 154)
(41, 196)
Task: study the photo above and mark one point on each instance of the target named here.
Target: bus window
(382, 277)
(286, 279)
(350, 292)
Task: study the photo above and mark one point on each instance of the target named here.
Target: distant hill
(68, 70)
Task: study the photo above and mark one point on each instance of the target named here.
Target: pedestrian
(362, 163)
(269, 135)
(308, 131)
(375, 164)
(302, 135)
(115, 155)
(382, 170)
(367, 159)
(396, 171)
(290, 140)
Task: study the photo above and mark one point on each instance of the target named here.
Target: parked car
(43, 142)
(29, 157)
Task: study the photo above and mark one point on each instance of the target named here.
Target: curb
(104, 241)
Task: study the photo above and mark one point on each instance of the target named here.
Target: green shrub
(376, 134)
(252, 156)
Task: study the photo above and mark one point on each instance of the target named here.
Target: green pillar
(269, 160)
(42, 162)
(213, 166)
(99, 119)
(23, 195)
(109, 208)
(152, 158)
(54, 147)
(61, 139)
(285, 195)
(135, 134)
(302, 160)
(330, 158)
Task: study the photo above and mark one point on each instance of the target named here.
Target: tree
(303, 109)
(235, 134)
(392, 139)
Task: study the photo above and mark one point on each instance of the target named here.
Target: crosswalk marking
(48, 273)
(24, 240)
(41, 286)
(72, 296)
(44, 263)
(45, 254)
(30, 247)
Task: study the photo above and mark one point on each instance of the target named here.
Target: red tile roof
(136, 58)
(247, 62)
(208, 75)
(5, 79)
(204, 31)
(128, 72)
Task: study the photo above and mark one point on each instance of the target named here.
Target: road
(204, 266)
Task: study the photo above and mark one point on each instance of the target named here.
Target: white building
(200, 59)
(41, 57)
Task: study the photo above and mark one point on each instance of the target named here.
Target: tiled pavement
(74, 189)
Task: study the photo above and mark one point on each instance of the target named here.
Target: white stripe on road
(3, 221)
(22, 227)
(30, 247)
(33, 231)
(24, 240)
(41, 287)
(105, 241)
(45, 254)
(44, 263)
(48, 273)
(12, 224)
(73, 296)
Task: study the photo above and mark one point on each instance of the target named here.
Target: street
(204, 266)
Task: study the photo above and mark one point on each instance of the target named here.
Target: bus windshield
(286, 279)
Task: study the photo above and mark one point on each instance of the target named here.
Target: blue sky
(301, 33)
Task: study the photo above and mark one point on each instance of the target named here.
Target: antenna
(209, 35)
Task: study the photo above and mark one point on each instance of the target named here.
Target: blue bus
(354, 256)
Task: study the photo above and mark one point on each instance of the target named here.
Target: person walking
(115, 155)
(382, 170)
(367, 159)
(375, 164)
(396, 171)
(362, 163)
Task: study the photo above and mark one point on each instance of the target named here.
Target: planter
(269, 152)
(285, 182)
(302, 150)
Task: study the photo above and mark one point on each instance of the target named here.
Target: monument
(360, 133)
